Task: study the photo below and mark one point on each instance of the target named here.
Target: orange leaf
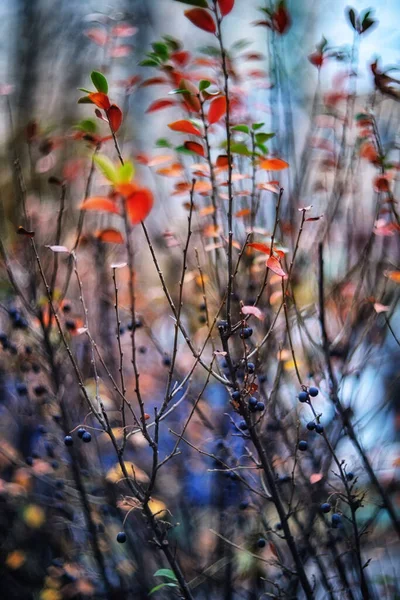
(207, 210)
(139, 204)
(175, 170)
(222, 161)
(184, 126)
(217, 110)
(181, 57)
(225, 6)
(114, 115)
(112, 236)
(202, 19)
(159, 160)
(100, 100)
(393, 275)
(99, 203)
(273, 264)
(243, 213)
(260, 247)
(160, 104)
(126, 189)
(194, 147)
(368, 151)
(253, 310)
(273, 164)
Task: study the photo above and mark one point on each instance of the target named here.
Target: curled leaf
(195, 147)
(253, 310)
(274, 264)
(159, 105)
(22, 231)
(114, 115)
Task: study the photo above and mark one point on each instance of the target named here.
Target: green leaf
(352, 18)
(366, 24)
(87, 125)
(99, 82)
(204, 84)
(257, 126)
(163, 143)
(166, 573)
(263, 148)
(183, 150)
(172, 43)
(263, 137)
(241, 45)
(210, 50)
(240, 149)
(106, 167)
(179, 91)
(148, 62)
(242, 128)
(160, 586)
(201, 3)
(161, 50)
(85, 90)
(85, 100)
(125, 172)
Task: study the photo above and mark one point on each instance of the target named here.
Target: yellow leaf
(115, 473)
(34, 516)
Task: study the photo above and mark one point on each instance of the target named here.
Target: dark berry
(303, 445)
(81, 431)
(87, 437)
(122, 330)
(68, 441)
(29, 461)
(261, 543)
(121, 537)
(36, 368)
(40, 390)
(243, 425)
(42, 429)
(60, 484)
(222, 325)
(28, 349)
(58, 495)
(262, 378)
(54, 464)
(138, 324)
(285, 479)
(236, 395)
(13, 349)
(3, 338)
(243, 505)
(202, 306)
(350, 476)
(336, 520)
(202, 319)
(253, 401)
(66, 307)
(319, 428)
(260, 406)
(310, 425)
(326, 507)
(20, 323)
(303, 396)
(22, 389)
(70, 325)
(251, 367)
(166, 361)
(246, 333)
(278, 526)
(313, 391)
(142, 349)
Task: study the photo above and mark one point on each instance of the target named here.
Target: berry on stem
(302, 445)
(121, 537)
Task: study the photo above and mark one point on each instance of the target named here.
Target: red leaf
(101, 100)
(124, 30)
(281, 20)
(184, 126)
(181, 57)
(99, 203)
(222, 161)
(154, 81)
(217, 110)
(202, 19)
(273, 264)
(112, 236)
(114, 115)
(381, 183)
(159, 104)
(225, 6)
(139, 204)
(253, 310)
(260, 247)
(194, 147)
